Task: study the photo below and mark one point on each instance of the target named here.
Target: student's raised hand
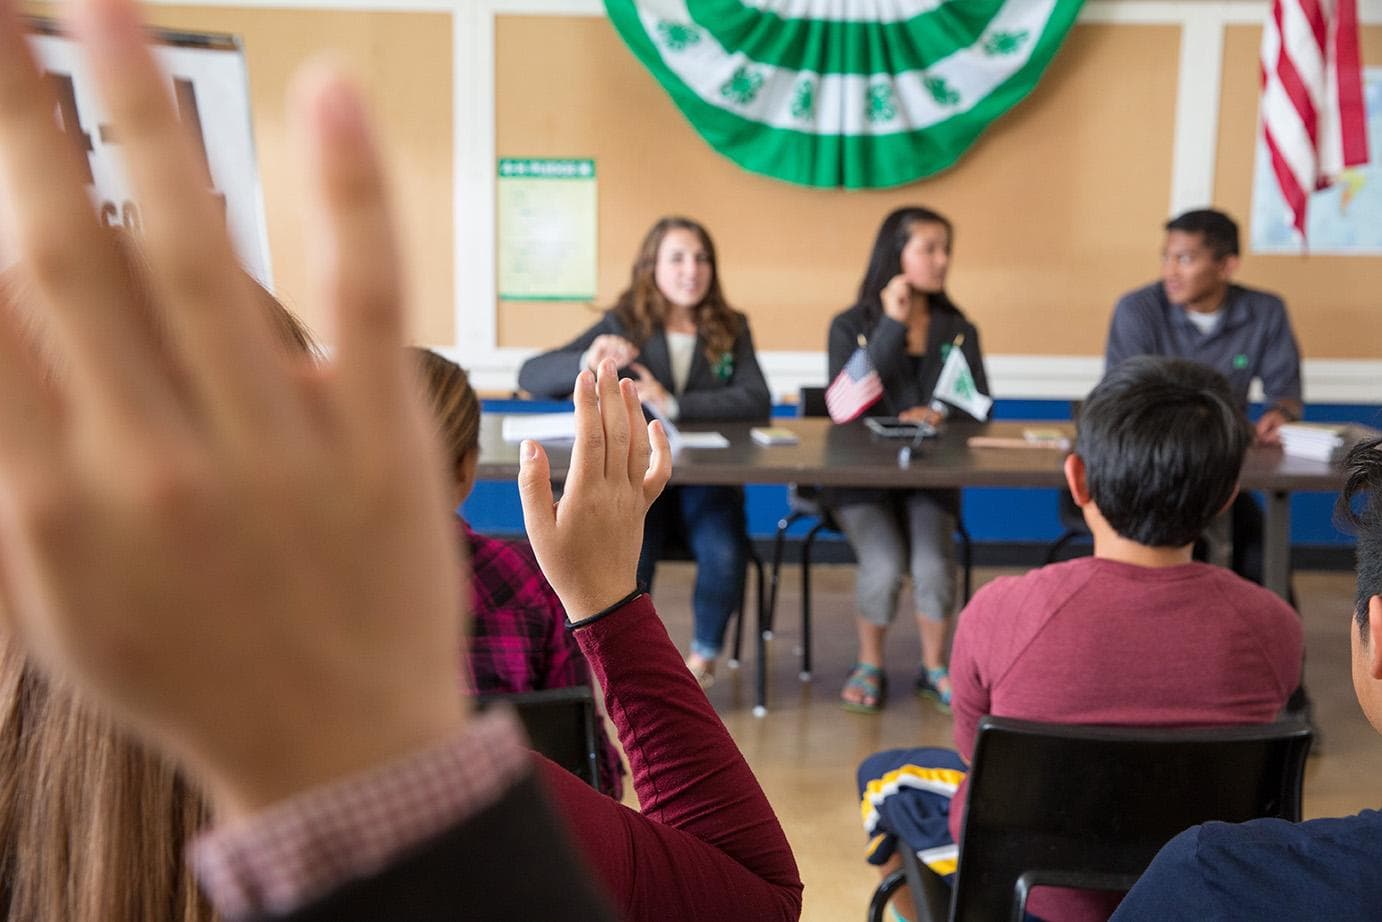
(897, 298)
(588, 543)
(244, 559)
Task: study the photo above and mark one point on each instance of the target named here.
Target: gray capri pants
(882, 534)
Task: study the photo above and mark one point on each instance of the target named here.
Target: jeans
(709, 521)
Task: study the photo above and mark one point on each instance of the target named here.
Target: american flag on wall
(1313, 116)
(856, 388)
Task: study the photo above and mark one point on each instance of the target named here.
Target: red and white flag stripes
(1313, 117)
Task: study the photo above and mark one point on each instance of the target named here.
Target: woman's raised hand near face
(897, 298)
(588, 543)
(244, 558)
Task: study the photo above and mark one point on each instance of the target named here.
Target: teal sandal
(929, 686)
(872, 685)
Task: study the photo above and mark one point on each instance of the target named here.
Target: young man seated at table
(1272, 869)
(1137, 635)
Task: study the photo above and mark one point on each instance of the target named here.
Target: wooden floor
(806, 749)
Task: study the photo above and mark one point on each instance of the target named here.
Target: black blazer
(732, 389)
(510, 862)
(904, 385)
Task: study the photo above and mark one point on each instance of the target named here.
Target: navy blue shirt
(1252, 340)
(1323, 869)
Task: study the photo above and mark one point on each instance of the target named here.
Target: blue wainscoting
(992, 515)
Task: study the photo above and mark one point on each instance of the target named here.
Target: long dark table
(851, 456)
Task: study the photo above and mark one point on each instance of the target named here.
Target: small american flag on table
(856, 388)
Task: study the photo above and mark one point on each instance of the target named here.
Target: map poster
(1343, 220)
(547, 229)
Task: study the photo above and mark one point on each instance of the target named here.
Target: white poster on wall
(209, 83)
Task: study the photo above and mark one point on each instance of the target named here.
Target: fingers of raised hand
(614, 417)
(639, 447)
(535, 493)
(357, 273)
(588, 451)
(659, 469)
(79, 302)
(202, 296)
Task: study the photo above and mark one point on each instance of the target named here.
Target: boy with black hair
(1272, 869)
(1137, 635)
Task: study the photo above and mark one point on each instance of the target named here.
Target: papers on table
(1034, 437)
(541, 427)
(1322, 441)
(679, 440)
(561, 427)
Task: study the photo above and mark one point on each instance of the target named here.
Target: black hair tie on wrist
(586, 622)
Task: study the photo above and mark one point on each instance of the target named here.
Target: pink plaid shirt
(301, 849)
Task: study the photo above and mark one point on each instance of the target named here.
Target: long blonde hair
(642, 308)
(92, 824)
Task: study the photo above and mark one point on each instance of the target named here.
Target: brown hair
(642, 309)
(92, 824)
(454, 404)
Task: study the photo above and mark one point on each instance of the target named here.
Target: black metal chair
(1089, 807)
(562, 724)
(803, 502)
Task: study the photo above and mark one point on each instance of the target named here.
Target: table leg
(1276, 543)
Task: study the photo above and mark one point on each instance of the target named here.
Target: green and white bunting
(844, 93)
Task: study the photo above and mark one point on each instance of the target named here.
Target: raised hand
(588, 544)
(897, 298)
(245, 559)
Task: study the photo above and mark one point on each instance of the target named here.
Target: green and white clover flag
(844, 93)
(956, 385)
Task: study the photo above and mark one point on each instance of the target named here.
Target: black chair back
(811, 402)
(1089, 807)
(561, 725)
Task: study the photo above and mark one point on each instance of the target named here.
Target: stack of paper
(541, 427)
(1322, 441)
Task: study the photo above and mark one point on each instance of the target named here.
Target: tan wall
(1334, 300)
(1056, 209)
(404, 62)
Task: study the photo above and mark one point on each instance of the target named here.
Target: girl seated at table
(692, 358)
(908, 324)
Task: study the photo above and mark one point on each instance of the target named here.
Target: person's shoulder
(1258, 300)
(1329, 859)
(852, 316)
(610, 320)
(1147, 299)
(1035, 593)
(1247, 596)
(1361, 830)
(510, 559)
